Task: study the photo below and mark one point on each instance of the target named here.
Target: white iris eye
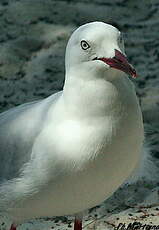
(85, 45)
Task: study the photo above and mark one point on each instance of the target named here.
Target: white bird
(69, 152)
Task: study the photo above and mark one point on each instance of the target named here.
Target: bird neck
(92, 97)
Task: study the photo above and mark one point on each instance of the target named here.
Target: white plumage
(68, 152)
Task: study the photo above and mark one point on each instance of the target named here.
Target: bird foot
(77, 224)
(13, 227)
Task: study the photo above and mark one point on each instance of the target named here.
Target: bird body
(70, 151)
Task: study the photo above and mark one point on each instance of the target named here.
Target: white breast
(77, 162)
(94, 158)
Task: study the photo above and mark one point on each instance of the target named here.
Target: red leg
(78, 224)
(13, 227)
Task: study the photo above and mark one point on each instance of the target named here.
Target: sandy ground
(33, 38)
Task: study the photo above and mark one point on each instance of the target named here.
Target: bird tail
(148, 167)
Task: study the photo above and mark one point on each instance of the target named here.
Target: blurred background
(34, 34)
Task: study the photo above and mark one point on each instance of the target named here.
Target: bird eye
(121, 42)
(120, 39)
(84, 45)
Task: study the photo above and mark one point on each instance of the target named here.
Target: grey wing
(19, 128)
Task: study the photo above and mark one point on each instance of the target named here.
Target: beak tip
(134, 74)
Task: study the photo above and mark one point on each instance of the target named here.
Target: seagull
(70, 151)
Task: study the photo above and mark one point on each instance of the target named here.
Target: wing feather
(19, 128)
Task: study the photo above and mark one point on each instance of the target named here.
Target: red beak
(120, 62)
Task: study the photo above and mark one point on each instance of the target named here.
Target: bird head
(97, 46)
